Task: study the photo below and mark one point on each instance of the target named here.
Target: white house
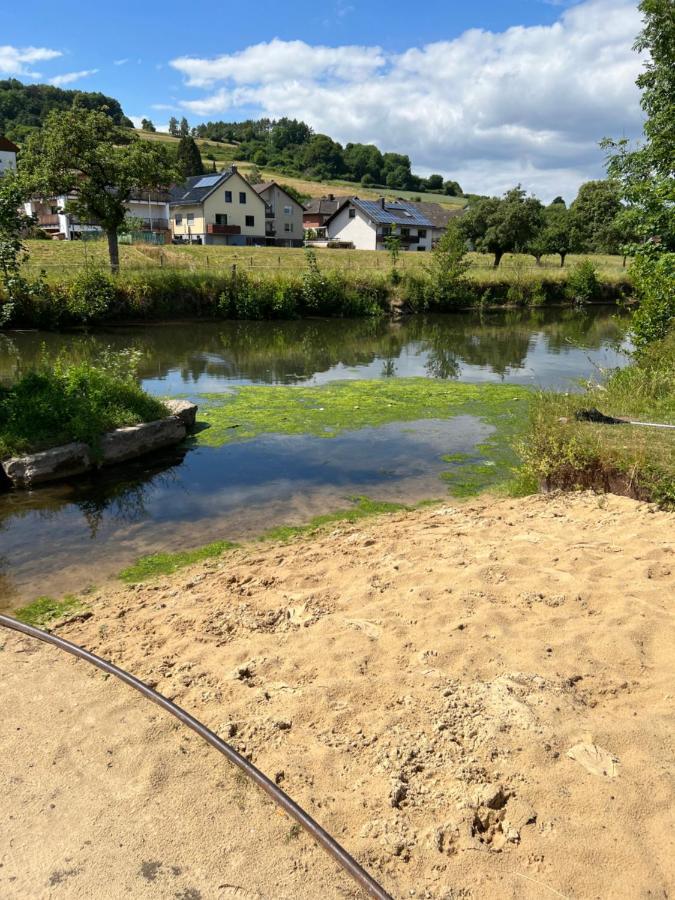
(8, 152)
(149, 213)
(366, 225)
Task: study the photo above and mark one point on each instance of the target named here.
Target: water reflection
(547, 347)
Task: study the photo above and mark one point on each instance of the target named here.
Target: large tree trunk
(113, 252)
(498, 258)
(562, 259)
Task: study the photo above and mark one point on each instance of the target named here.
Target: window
(179, 220)
(228, 196)
(242, 196)
(288, 210)
(190, 217)
(422, 232)
(288, 226)
(54, 210)
(352, 213)
(221, 218)
(250, 220)
(405, 232)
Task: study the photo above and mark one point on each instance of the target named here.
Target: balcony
(223, 229)
(405, 239)
(270, 232)
(154, 225)
(48, 220)
(269, 212)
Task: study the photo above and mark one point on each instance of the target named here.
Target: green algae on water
(167, 563)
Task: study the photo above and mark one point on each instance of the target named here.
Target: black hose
(348, 863)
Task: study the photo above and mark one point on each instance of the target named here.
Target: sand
(476, 700)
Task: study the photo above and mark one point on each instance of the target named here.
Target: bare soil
(476, 700)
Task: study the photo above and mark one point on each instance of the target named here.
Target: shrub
(583, 284)
(654, 280)
(90, 296)
(70, 403)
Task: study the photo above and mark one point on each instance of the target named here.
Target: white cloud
(121, 62)
(491, 109)
(16, 60)
(70, 77)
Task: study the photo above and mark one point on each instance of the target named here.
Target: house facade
(439, 214)
(149, 214)
(8, 152)
(367, 224)
(221, 208)
(319, 210)
(283, 217)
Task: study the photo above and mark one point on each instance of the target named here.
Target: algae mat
(328, 410)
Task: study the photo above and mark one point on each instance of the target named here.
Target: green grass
(562, 452)
(45, 610)
(157, 564)
(364, 507)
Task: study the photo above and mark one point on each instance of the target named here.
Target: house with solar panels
(218, 209)
(366, 225)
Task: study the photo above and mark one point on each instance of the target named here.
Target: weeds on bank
(157, 564)
(45, 610)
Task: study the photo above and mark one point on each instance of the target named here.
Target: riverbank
(93, 296)
(465, 650)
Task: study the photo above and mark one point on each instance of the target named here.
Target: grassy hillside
(226, 154)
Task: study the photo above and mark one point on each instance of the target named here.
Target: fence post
(207, 261)
(161, 259)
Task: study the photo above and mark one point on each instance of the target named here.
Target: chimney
(382, 202)
(233, 169)
(331, 196)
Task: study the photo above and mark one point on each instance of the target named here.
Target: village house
(148, 214)
(221, 208)
(318, 211)
(8, 152)
(366, 225)
(439, 214)
(283, 217)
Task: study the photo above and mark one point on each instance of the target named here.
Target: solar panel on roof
(208, 182)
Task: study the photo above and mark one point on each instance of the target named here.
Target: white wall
(359, 231)
(7, 160)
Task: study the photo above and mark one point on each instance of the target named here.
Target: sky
(490, 93)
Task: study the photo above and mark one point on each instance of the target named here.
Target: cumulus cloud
(17, 60)
(528, 104)
(70, 77)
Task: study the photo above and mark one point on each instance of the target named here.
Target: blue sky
(490, 92)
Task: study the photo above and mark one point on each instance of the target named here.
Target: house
(220, 208)
(439, 214)
(8, 152)
(319, 210)
(148, 213)
(366, 225)
(283, 218)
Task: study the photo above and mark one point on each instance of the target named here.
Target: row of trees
(596, 222)
(292, 147)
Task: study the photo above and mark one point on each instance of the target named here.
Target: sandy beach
(476, 699)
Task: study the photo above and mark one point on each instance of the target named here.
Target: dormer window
(352, 213)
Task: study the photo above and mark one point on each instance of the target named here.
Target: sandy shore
(417, 682)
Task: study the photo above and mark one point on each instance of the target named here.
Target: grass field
(226, 154)
(66, 258)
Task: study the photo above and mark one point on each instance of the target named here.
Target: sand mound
(476, 700)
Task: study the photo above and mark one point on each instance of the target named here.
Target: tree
(173, 126)
(452, 189)
(97, 165)
(254, 176)
(363, 159)
(646, 174)
(322, 155)
(503, 225)
(448, 266)
(435, 183)
(13, 225)
(558, 234)
(184, 128)
(189, 158)
(593, 212)
(146, 125)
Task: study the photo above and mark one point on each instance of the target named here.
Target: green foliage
(654, 278)
(90, 297)
(45, 610)
(583, 284)
(84, 154)
(502, 225)
(146, 125)
(447, 283)
(363, 508)
(560, 452)
(25, 107)
(592, 216)
(188, 158)
(60, 403)
(158, 564)
(13, 225)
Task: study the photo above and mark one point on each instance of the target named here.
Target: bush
(583, 284)
(70, 403)
(654, 280)
(90, 296)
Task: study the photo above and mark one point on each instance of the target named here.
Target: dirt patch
(417, 682)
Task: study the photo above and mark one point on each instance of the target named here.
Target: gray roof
(439, 214)
(266, 185)
(325, 206)
(397, 212)
(196, 189)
